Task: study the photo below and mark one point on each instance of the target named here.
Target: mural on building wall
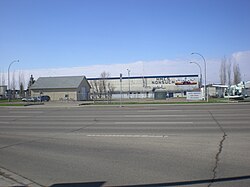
(175, 81)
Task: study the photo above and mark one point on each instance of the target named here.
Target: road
(161, 145)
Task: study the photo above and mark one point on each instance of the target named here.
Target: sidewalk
(55, 104)
(9, 179)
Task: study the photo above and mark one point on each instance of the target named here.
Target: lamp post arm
(205, 88)
(200, 81)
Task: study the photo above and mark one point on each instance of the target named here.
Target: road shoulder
(8, 178)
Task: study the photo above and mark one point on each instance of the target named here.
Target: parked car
(25, 99)
(36, 99)
(30, 99)
(43, 98)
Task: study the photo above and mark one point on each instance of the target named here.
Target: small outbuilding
(216, 90)
(75, 88)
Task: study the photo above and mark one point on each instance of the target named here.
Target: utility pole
(200, 82)
(205, 86)
(120, 90)
(128, 83)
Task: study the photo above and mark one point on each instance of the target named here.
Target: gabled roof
(58, 82)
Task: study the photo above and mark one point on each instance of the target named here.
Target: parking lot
(154, 145)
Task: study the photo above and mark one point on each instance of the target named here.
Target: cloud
(243, 57)
(157, 67)
(138, 68)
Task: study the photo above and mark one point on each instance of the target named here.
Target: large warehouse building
(79, 88)
(144, 86)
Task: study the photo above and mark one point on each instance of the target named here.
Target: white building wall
(76, 94)
(83, 91)
(56, 95)
(144, 87)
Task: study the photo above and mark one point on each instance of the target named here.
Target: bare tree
(236, 74)
(13, 85)
(31, 81)
(229, 65)
(223, 69)
(21, 84)
(2, 77)
(92, 89)
(95, 89)
(111, 90)
(101, 87)
(13, 81)
(103, 83)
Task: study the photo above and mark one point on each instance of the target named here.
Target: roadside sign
(194, 96)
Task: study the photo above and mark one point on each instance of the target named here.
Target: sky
(149, 37)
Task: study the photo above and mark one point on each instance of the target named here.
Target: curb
(8, 179)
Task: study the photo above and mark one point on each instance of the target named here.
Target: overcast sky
(150, 37)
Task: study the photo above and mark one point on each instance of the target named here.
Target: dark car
(43, 98)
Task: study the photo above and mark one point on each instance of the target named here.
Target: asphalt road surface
(161, 145)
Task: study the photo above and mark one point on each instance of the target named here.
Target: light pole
(205, 64)
(120, 90)
(128, 83)
(200, 82)
(9, 94)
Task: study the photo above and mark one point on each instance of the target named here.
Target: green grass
(217, 100)
(12, 100)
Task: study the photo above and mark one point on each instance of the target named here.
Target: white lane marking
(26, 112)
(158, 110)
(117, 116)
(152, 122)
(127, 135)
(129, 116)
(14, 116)
(79, 122)
(157, 116)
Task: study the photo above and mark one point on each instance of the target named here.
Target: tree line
(229, 75)
(16, 82)
(102, 88)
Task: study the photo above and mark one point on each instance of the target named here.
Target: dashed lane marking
(127, 135)
(153, 122)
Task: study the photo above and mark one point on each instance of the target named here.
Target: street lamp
(128, 83)
(9, 94)
(205, 86)
(200, 72)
